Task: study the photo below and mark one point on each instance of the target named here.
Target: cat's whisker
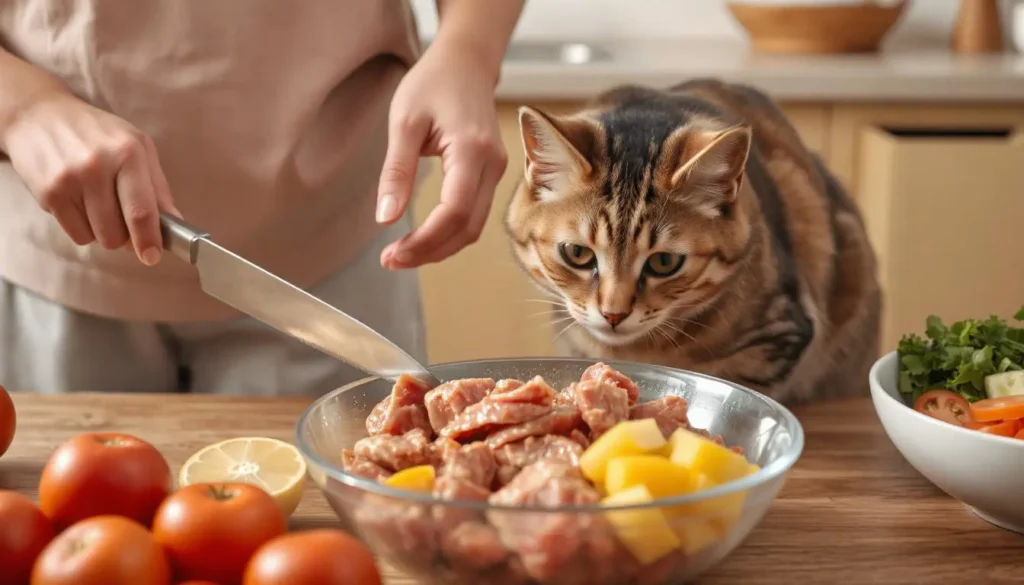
(678, 330)
(550, 313)
(566, 328)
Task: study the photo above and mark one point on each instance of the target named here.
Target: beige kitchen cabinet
(943, 205)
(478, 304)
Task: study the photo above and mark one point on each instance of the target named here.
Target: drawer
(943, 210)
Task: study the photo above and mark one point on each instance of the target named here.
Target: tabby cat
(692, 228)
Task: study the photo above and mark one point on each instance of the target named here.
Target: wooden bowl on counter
(842, 27)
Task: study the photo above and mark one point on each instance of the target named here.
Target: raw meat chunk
(547, 543)
(474, 463)
(406, 530)
(505, 474)
(501, 408)
(396, 453)
(668, 411)
(602, 405)
(362, 466)
(451, 398)
(447, 518)
(600, 372)
(401, 412)
(473, 545)
(561, 421)
(578, 436)
(531, 449)
(536, 391)
(506, 385)
(485, 417)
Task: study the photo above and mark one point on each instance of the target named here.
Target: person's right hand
(98, 175)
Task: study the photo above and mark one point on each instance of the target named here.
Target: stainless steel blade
(287, 308)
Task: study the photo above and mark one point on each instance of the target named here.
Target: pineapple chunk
(661, 477)
(702, 455)
(419, 479)
(645, 532)
(722, 511)
(631, 437)
(697, 534)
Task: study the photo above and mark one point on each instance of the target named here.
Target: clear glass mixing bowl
(437, 541)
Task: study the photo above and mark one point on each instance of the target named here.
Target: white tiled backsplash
(926, 20)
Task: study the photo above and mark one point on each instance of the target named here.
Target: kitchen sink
(554, 52)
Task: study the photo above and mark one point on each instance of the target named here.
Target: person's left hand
(443, 107)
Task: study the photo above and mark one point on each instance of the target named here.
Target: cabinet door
(478, 304)
(943, 210)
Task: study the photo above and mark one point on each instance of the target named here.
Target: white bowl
(984, 472)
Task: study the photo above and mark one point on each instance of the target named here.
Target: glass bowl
(665, 542)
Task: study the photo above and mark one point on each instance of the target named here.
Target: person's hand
(95, 173)
(444, 107)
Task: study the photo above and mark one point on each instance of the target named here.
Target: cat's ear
(717, 161)
(556, 151)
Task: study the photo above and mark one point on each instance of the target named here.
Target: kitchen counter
(852, 511)
(537, 71)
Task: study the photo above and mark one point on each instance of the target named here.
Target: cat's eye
(664, 264)
(577, 256)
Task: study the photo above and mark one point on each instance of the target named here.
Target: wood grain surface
(853, 511)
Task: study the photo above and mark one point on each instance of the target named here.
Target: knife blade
(274, 301)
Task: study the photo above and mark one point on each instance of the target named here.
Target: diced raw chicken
(531, 449)
(482, 418)
(473, 462)
(505, 474)
(578, 436)
(546, 483)
(536, 391)
(560, 421)
(600, 372)
(473, 545)
(506, 385)
(446, 401)
(396, 453)
(362, 466)
(602, 405)
(668, 411)
(402, 411)
(564, 398)
(406, 530)
(547, 543)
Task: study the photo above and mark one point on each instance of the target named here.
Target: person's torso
(269, 116)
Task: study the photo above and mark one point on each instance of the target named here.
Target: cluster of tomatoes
(107, 516)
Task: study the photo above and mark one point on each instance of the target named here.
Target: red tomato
(1004, 408)
(946, 406)
(96, 474)
(8, 419)
(211, 531)
(1007, 428)
(103, 550)
(314, 557)
(24, 533)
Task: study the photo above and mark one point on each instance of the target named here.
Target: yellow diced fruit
(631, 437)
(722, 511)
(419, 479)
(659, 475)
(697, 534)
(702, 455)
(644, 531)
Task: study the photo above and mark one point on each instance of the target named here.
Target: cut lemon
(274, 466)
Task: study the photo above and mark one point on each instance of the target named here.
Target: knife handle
(180, 237)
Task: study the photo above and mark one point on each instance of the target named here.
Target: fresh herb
(959, 356)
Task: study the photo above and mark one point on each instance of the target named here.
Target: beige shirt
(269, 117)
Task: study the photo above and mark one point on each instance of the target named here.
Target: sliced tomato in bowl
(946, 406)
(1003, 408)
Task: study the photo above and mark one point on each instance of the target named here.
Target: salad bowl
(983, 471)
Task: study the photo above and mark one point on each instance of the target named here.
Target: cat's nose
(614, 319)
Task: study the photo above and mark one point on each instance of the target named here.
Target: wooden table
(853, 511)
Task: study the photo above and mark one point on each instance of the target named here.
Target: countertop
(852, 511)
(534, 71)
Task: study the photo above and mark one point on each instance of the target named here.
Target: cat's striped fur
(777, 286)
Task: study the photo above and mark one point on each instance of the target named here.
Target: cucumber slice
(1005, 384)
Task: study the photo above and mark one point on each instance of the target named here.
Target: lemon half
(272, 465)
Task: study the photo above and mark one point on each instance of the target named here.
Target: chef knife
(285, 307)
